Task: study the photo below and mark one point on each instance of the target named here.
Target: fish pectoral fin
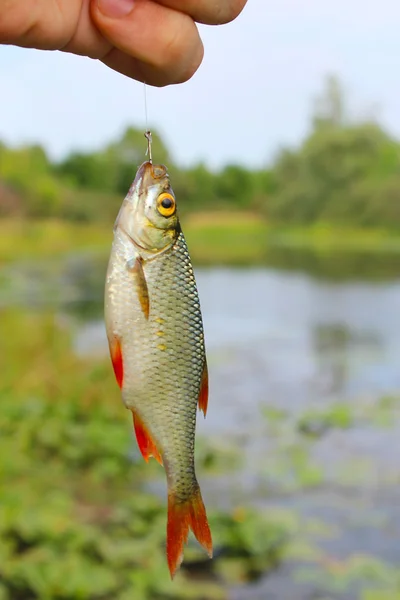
(146, 444)
(182, 516)
(116, 358)
(135, 266)
(203, 394)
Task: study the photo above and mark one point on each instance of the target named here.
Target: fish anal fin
(116, 359)
(135, 266)
(182, 516)
(146, 444)
(203, 394)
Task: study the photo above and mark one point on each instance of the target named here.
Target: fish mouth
(149, 174)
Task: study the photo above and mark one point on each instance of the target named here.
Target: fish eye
(166, 204)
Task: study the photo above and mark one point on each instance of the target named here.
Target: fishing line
(147, 134)
(145, 107)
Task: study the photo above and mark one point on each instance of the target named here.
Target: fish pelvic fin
(146, 444)
(182, 516)
(203, 395)
(116, 359)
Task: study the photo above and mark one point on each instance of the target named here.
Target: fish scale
(155, 331)
(174, 370)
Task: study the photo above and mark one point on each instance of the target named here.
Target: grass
(226, 239)
(213, 238)
(327, 238)
(20, 239)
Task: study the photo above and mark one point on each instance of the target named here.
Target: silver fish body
(155, 331)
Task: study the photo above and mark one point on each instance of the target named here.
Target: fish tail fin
(182, 516)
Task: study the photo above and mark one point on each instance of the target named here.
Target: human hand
(152, 41)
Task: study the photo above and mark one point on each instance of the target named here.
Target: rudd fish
(155, 333)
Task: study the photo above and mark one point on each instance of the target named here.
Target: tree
(330, 107)
(112, 169)
(27, 171)
(340, 173)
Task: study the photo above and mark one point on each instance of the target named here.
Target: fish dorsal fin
(203, 395)
(135, 266)
(146, 444)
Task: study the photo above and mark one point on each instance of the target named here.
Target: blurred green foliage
(345, 172)
(339, 576)
(75, 518)
(28, 172)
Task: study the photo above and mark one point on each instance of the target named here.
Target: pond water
(280, 344)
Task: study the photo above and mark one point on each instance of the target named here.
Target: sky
(252, 95)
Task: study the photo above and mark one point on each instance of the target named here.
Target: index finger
(209, 12)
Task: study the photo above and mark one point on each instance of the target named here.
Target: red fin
(116, 358)
(183, 516)
(203, 395)
(146, 445)
(142, 288)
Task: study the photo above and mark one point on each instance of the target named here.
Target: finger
(131, 67)
(209, 12)
(46, 25)
(86, 39)
(135, 69)
(160, 43)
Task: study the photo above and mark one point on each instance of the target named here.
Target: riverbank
(233, 239)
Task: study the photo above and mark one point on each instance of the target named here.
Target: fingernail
(115, 8)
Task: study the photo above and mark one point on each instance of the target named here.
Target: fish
(156, 339)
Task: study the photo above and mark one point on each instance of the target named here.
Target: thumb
(152, 43)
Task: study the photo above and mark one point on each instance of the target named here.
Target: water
(290, 341)
(303, 338)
